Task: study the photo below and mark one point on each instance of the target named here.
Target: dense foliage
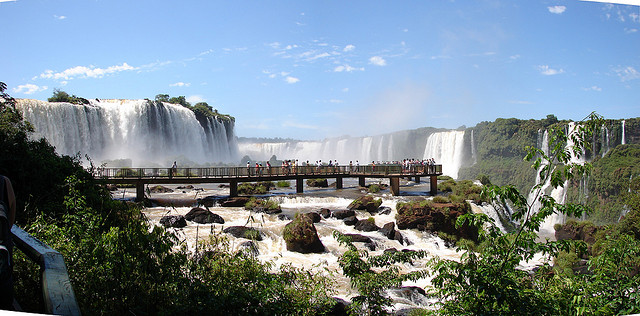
(202, 110)
(61, 96)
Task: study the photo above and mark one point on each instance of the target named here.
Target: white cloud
(7, 0)
(85, 72)
(557, 9)
(29, 88)
(592, 88)
(193, 99)
(291, 80)
(545, 70)
(520, 102)
(180, 84)
(627, 73)
(349, 48)
(60, 17)
(318, 56)
(514, 57)
(378, 61)
(347, 68)
(345, 90)
(629, 31)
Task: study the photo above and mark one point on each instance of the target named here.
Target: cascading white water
(473, 149)
(131, 129)
(604, 141)
(623, 134)
(447, 149)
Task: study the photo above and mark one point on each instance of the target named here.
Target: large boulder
(160, 189)
(435, 217)
(263, 206)
(318, 183)
(301, 236)
(313, 216)
(359, 238)
(202, 216)
(365, 203)
(244, 232)
(175, 221)
(342, 214)
(388, 230)
(366, 225)
(325, 212)
(236, 201)
(573, 230)
(350, 221)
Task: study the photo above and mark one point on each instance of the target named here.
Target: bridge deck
(234, 175)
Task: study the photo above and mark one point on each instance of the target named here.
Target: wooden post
(395, 185)
(233, 188)
(338, 182)
(434, 185)
(299, 185)
(139, 191)
(361, 181)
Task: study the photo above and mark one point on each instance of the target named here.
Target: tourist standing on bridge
(269, 167)
(173, 169)
(248, 169)
(7, 218)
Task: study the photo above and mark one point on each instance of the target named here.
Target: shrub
(283, 184)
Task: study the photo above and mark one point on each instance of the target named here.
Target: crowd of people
(294, 166)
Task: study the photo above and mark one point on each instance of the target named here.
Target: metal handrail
(252, 171)
(57, 292)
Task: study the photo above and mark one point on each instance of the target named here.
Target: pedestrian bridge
(233, 175)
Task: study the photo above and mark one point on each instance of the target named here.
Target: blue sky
(316, 69)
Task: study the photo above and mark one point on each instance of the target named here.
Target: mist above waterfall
(145, 132)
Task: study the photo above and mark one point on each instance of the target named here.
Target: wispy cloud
(7, 0)
(626, 73)
(29, 88)
(378, 61)
(557, 9)
(85, 72)
(349, 48)
(193, 99)
(592, 88)
(180, 84)
(547, 71)
(59, 17)
(520, 102)
(347, 68)
(291, 80)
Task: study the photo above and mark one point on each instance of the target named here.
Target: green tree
(489, 281)
(162, 98)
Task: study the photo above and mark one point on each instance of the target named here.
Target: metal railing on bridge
(237, 172)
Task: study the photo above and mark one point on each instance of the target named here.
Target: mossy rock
(365, 203)
(301, 236)
(318, 183)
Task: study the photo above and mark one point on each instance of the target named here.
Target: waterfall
(604, 140)
(473, 149)
(145, 132)
(447, 149)
(623, 135)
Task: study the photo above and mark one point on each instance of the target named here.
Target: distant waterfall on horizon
(623, 134)
(145, 132)
(445, 147)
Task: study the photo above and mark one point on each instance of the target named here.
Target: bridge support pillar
(299, 185)
(139, 191)
(434, 185)
(417, 179)
(361, 181)
(338, 182)
(233, 188)
(395, 185)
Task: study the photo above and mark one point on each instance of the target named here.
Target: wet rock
(390, 250)
(365, 203)
(398, 236)
(350, 221)
(325, 212)
(313, 216)
(342, 214)
(388, 230)
(284, 217)
(160, 189)
(250, 248)
(383, 210)
(202, 216)
(175, 221)
(301, 236)
(237, 201)
(573, 230)
(244, 232)
(366, 225)
(185, 187)
(318, 183)
(358, 238)
(436, 217)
